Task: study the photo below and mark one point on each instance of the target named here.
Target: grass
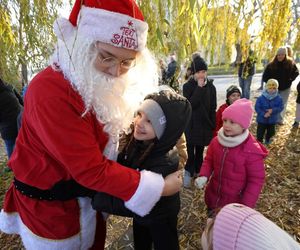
(227, 69)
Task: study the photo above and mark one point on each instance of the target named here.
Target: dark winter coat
(161, 158)
(10, 107)
(263, 104)
(172, 66)
(203, 121)
(284, 72)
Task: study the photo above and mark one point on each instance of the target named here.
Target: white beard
(113, 100)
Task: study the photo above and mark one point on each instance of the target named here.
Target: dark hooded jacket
(204, 103)
(160, 156)
(10, 107)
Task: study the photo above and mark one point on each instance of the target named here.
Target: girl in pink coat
(234, 163)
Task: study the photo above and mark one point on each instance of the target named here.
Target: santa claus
(74, 111)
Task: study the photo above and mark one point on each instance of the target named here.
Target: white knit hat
(116, 22)
(242, 228)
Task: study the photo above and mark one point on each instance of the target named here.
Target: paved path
(222, 82)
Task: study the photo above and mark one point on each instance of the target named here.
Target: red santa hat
(116, 22)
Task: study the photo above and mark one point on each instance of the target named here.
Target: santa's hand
(200, 182)
(173, 183)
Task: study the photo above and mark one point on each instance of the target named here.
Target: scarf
(231, 141)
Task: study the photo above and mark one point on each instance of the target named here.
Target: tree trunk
(238, 58)
(24, 74)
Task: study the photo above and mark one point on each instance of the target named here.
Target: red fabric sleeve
(71, 141)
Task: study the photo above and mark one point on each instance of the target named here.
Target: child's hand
(200, 182)
(173, 183)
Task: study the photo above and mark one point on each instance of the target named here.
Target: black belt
(62, 191)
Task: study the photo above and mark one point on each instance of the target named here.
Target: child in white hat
(234, 163)
(268, 107)
(238, 227)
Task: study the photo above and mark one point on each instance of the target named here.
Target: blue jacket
(261, 106)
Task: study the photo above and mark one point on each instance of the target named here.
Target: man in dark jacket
(201, 93)
(170, 73)
(10, 107)
(245, 73)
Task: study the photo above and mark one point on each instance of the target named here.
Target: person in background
(289, 52)
(245, 73)
(163, 72)
(10, 107)
(268, 107)
(233, 93)
(297, 113)
(201, 93)
(170, 73)
(74, 111)
(188, 73)
(239, 227)
(160, 121)
(234, 162)
(285, 71)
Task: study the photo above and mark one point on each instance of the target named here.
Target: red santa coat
(57, 143)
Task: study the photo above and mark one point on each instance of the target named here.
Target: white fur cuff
(147, 194)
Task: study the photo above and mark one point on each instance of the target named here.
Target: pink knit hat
(240, 227)
(240, 112)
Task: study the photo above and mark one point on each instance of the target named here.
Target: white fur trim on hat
(63, 28)
(147, 194)
(113, 28)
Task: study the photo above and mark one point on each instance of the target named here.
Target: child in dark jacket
(268, 107)
(159, 123)
(234, 163)
(233, 93)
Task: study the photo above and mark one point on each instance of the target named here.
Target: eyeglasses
(113, 61)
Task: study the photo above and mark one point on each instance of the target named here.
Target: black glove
(103, 202)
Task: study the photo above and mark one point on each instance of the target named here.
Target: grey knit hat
(281, 51)
(156, 116)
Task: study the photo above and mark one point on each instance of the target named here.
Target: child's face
(231, 128)
(143, 129)
(200, 75)
(271, 90)
(233, 97)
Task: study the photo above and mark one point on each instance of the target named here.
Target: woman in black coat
(10, 107)
(285, 71)
(201, 93)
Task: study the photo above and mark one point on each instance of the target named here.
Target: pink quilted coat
(235, 174)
